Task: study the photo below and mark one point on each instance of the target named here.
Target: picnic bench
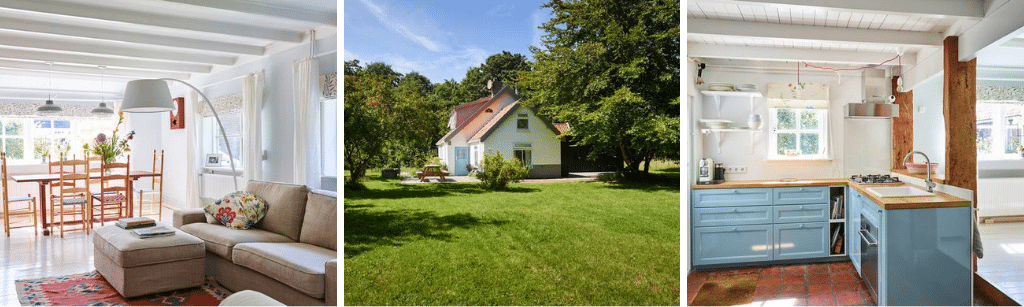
(431, 170)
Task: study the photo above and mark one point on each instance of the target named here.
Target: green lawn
(581, 243)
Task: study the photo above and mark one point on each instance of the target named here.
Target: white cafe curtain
(306, 150)
(252, 139)
(804, 95)
(193, 150)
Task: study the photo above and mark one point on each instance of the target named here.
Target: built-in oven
(869, 255)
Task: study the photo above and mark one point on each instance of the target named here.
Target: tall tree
(505, 66)
(610, 68)
(383, 69)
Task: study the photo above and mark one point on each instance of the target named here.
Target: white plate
(716, 123)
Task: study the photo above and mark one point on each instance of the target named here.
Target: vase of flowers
(113, 147)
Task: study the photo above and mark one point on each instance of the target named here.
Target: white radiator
(218, 185)
(1000, 197)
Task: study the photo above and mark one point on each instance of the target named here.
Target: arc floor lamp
(154, 95)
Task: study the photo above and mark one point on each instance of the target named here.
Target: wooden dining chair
(72, 197)
(113, 194)
(8, 212)
(155, 190)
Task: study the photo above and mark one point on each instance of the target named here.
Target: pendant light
(49, 107)
(102, 110)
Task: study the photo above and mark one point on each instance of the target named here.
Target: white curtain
(194, 150)
(252, 107)
(306, 150)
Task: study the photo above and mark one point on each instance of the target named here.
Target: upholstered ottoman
(135, 266)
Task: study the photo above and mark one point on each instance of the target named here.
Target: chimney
(494, 86)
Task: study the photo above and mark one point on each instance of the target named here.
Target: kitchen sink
(903, 191)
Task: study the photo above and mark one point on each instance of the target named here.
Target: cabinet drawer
(732, 216)
(732, 244)
(732, 197)
(804, 195)
(800, 213)
(801, 240)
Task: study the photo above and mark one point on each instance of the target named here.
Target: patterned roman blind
(798, 95)
(28, 109)
(223, 104)
(1001, 94)
(329, 85)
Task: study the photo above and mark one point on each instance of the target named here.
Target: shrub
(496, 172)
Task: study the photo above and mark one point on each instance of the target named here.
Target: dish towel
(978, 249)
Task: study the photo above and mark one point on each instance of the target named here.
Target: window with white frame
(523, 122)
(999, 125)
(797, 134)
(214, 141)
(523, 152)
(329, 143)
(27, 140)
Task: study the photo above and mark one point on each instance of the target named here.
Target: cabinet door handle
(801, 225)
(734, 229)
(801, 207)
(734, 210)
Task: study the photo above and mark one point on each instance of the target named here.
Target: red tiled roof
(562, 127)
(464, 111)
(498, 117)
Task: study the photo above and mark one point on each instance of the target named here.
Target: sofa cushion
(220, 239)
(320, 226)
(238, 210)
(208, 201)
(128, 251)
(298, 265)
(286, 205)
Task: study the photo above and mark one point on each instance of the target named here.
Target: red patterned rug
(90, 289)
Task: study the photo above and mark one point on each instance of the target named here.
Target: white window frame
(212, 139)
(328, 148)
(527, 150)
(523, 116)
(822, 131)
(999, 134)
(80, 132)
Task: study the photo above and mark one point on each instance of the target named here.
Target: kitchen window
(797, 134)
(998, 126)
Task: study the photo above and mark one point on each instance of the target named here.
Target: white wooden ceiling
(824, 31)
(59, 45)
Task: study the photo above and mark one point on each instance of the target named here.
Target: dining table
(44, 179)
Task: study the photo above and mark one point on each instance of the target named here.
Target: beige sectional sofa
(290, 255)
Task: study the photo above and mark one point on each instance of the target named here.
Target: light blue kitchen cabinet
(853, 199)
(731, 197)
(730, 216)
(732, 244)
(800, 195)
(924, 255)
(800, 213)
(801, 240)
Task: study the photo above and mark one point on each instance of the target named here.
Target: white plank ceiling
(872, 27)
(59, 46)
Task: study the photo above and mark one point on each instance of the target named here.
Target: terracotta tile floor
(821, 284)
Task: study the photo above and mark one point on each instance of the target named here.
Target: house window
(214, 140)
(523, 152)
(329, 152)
(50, 136)
(13, 138)
(797, 134)
(523, 122)
(998, 126)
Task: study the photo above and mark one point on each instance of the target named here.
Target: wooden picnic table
(431, 170)
(44, 179)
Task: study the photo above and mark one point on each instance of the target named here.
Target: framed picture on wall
(213, 160)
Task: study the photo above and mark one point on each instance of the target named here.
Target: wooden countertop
(939, 200)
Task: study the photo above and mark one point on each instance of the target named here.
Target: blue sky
(439, 39)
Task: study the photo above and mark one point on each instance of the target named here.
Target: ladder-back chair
(8, 212)
(72, 197)
(114, 194)
(155, 190)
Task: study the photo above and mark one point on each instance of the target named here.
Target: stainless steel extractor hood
(872, 110)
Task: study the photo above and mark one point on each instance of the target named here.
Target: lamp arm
(215, 116)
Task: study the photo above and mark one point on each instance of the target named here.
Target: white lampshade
(147, 96)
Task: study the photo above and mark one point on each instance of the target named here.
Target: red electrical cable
(858, 68)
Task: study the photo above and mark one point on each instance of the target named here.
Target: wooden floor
(26, 255)
(1003, 257)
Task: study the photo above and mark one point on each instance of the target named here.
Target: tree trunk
(647, 165)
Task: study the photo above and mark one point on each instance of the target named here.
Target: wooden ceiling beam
(275, 11)
(931, 8)
(125, 36)
(111, 49)
(151, 19)
(811, 33)
(48, 56)
(39, 66)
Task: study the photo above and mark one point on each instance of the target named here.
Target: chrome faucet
(928, 168)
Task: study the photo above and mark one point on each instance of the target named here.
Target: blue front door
(461, 160)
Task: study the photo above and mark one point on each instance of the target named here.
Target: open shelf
(837, 221)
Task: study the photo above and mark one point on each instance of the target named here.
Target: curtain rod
(243, 76)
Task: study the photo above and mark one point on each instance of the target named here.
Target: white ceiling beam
(14, 90)
(44, 56)
(786, 54)
(1000, 26)
(58, 76)
(124, 36)
(1000, 73)
(811, 33)
(930, 8)
(1013, 43)
(110, 49)
(275, 11)
(91, 70)
(150, 19)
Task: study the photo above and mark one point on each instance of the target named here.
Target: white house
(499, 123)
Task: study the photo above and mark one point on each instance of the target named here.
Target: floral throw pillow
(238, 210)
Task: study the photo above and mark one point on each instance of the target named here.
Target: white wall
(278, 113)
(929, 124)
(546, 149)
(858, 146)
